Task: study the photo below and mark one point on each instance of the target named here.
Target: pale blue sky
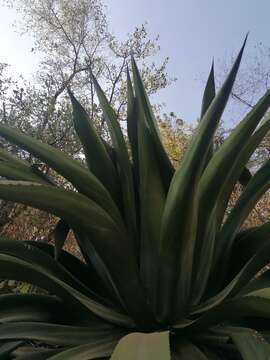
(192, 32)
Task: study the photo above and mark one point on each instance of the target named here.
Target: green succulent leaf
(247, 244)
(12, 171)
(209, 91)
(7, 348)
(250, 343)
(97, 157)
(101, 348)
(74, 207)
(60, 234)
(237, 169)
(139, 346)
(258, 283)
(219, 210)
(252, 305)
(13, 267)
(245, 177)
(189, 351)
(36, 257)
(124, 165)
(56, 334)
(219, 175)
(239, 282)
(132, 124)
(166, 167)
(83, 272)
(97, 264)
(69, 168)
(6, 156)
(31, 353)
(208, 96)
(31, 307)
(181, 209)
(219, 169)
(259, 184)
(152, 200)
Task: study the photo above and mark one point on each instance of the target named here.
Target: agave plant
(166, 274)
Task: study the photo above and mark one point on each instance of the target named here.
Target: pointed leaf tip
(244, 43)
(212, 71)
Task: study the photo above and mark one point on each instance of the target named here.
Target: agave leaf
(42, 175)
(239, 282)
(83, 180)
(219, 172)
(250, 344)
(111, 152)
(213, 337)
(245, 177)
(238, 168)
(7, 348)
(93, 258)
(12, 267)
(139, 346)
(209, 91)
(166, 167)
(85, 273)
(132, 130)
(101, 348)
(8, 157)
(97, 157)
(189, 351)
(259, 184)
(124, 165)
(34, 256)
(258, 283)
(152, 200)
(248, 306)
(94, 275)
(77, 210)
(180, 213)
(151, 192)
(219, 168)
(247, 244)
(31, 353)
(224, 197)
(56, 334)
(97, 270)
(217, 180)
(31, 307)
(12, 171)
(208, 96)
(263, 293)
(60, 234)
(132, 124)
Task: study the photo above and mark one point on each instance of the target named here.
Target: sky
(192, 33)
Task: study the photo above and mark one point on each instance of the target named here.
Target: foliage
(167, 274)
(175, 134)
(71, 37)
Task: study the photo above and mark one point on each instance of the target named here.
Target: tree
(74, 39)
(175, 134)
